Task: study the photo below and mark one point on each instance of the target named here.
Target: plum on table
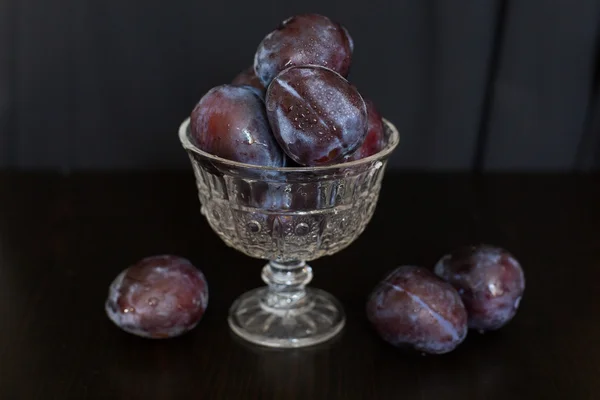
(490, 281)
(158, 297)
(412, 308)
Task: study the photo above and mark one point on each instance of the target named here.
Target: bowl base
(320, 319)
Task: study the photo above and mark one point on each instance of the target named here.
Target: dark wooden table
(64, 238)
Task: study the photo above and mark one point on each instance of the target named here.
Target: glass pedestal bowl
(288, 216)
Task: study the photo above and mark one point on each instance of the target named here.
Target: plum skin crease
(158, 297)
(412, 308)
(317, 117)
(490, 281)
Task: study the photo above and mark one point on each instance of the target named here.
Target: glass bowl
(288, 216)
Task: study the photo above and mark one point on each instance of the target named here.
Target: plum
(317, 117)
(230, 122)
(490, 281)
(249, 78)
(349, 39)
(158, 297)
(412, 308)
(307, 39)
(375, 140)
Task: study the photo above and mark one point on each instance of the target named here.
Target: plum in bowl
(287, 215)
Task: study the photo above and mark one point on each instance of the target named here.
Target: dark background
(492, 85)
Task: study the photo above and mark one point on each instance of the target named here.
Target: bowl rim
(394, 140)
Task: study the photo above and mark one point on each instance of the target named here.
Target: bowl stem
(287, 284)
(286, 313)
